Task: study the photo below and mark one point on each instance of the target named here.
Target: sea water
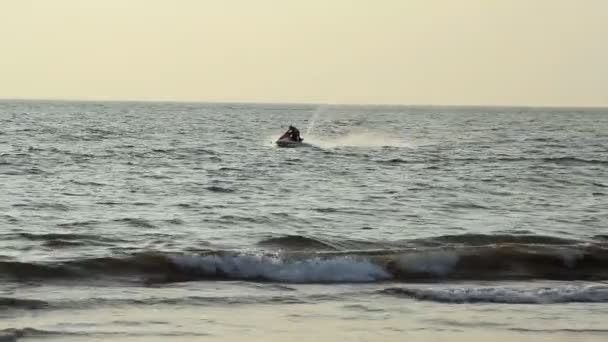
(183, 221)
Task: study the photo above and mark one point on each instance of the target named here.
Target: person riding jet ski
(292, 134)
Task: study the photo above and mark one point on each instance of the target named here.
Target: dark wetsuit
(295, 134)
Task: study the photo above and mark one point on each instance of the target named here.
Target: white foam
(358, 139)
(275, 268)
(512, 295)
(436, 262)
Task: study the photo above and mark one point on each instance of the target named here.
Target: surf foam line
(311, 270)
(505, 295)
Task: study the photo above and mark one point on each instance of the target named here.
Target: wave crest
(505, 295)
(492, 262)
(297, 242)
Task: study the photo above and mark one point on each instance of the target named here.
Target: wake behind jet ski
(291, 138)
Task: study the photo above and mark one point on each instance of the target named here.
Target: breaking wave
(270, 268)
(490, 262)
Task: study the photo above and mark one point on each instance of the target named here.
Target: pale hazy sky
(498, 52)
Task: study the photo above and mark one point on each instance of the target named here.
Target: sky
(438, 52)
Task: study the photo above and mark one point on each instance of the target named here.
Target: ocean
(135, 221)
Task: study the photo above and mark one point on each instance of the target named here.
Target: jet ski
(288, 143)
(291, 138)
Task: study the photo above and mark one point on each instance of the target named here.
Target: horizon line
(100, 100)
